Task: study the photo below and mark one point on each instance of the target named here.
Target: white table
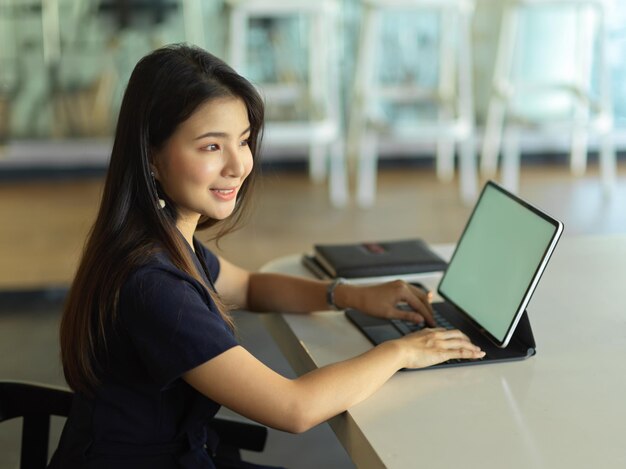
(563, 408)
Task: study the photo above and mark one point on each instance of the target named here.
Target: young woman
(146, 338)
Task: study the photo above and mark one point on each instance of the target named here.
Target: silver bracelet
(330, 292)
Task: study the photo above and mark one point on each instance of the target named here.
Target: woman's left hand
(382, 301)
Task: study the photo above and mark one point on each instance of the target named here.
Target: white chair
(321, 129)
(453, 96)
(571, 55)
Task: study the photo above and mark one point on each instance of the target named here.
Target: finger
(448, 334)
(422, 293)
(421, 306)
(443, 355)
(463, 353)
(458, 344)
(426, 331)
(405, 315)
(424, 296)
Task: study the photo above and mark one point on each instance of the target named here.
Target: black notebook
(375, 259)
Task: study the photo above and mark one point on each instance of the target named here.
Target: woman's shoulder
(156, 271)
(158, 274)
(158, 286)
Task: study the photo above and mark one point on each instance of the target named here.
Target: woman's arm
(264, 292)
(232, 284)
(285, 293)
(282, 293)
(240, 382)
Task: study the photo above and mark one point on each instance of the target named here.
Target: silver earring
(161, 201)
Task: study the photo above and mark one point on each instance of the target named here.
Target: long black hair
(164, 90)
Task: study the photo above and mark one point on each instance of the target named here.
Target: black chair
(36, 403)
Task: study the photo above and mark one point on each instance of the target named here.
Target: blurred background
(384, 119)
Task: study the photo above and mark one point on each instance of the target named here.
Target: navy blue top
(144, 414)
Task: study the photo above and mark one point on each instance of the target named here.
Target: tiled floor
(44, 224)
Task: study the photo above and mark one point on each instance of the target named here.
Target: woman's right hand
(432, 346)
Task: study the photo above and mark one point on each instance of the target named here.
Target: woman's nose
(234, 166)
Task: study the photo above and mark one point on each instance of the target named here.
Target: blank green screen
(495, 261)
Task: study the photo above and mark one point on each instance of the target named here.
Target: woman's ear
(152, 161)
(154, 170)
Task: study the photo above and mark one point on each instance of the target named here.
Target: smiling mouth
(225, 194)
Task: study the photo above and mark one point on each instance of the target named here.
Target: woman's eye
(244, 143)
(212, 147)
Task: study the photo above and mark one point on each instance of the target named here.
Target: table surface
(564, 407)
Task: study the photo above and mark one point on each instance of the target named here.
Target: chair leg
(445, 156)
(361, 139)
(317, 69)
(445, 145)
(467, 170)
(607, 164)
(584, 46)
(35, 432)
(607, 149)
(361, 83)
(511, 160)
(193, 23)
(317, 162)
(492, 140)
(355, 122)
(578, 155)
(367, 168)
(500, 90)
(338, 178)
(467, 147)
(237, 40)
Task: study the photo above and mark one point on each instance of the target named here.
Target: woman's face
(202, 166)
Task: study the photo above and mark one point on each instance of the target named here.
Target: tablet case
(521, 346)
